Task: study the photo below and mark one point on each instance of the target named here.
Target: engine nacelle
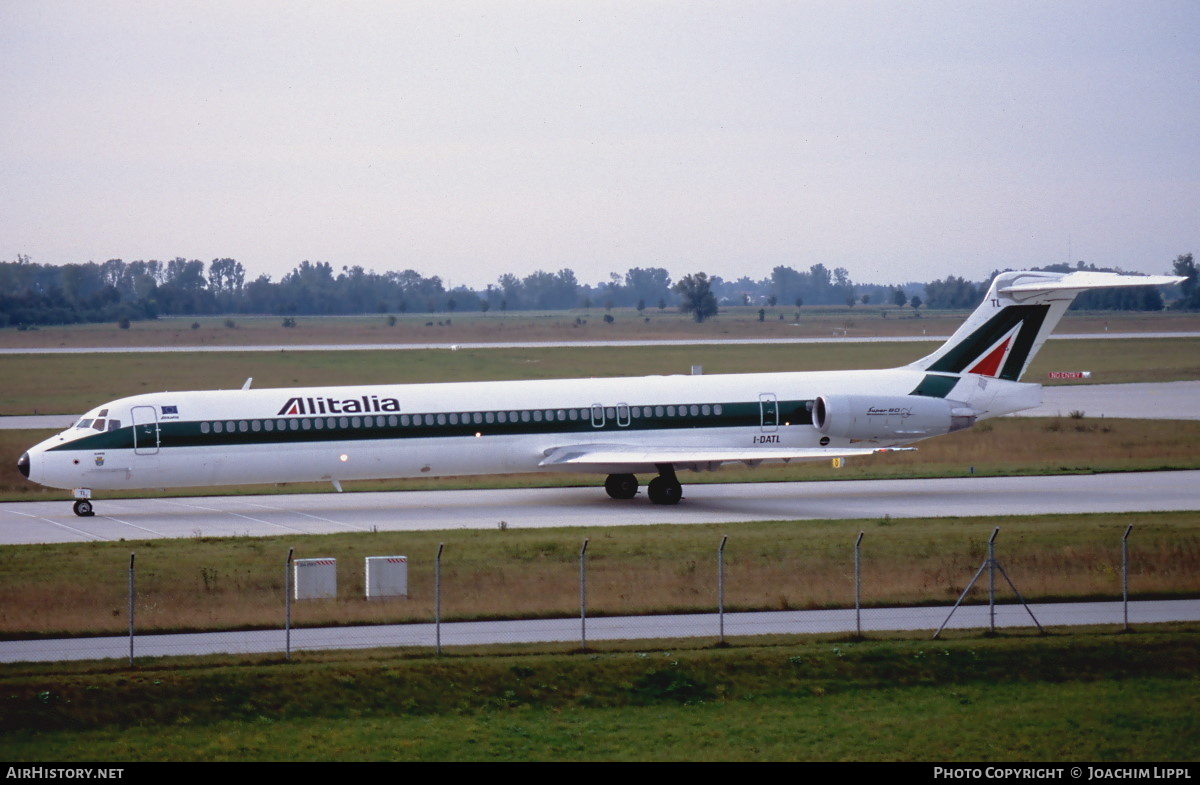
(889, 417)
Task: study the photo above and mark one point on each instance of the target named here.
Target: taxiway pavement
(257, 516)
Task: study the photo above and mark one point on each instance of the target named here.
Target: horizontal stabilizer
(1084, 279)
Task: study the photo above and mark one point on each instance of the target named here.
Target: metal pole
(992, 580)
(721, 586)
(1125, 574)
(858, 586)
(991, 565)
(131, 610)
(437, 599)
(583, 595)
(287, 606)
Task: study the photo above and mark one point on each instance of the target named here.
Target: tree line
(115, 290)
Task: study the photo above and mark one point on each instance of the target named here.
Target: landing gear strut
(665, 488)
(621, 486)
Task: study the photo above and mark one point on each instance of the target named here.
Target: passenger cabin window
(597, 415)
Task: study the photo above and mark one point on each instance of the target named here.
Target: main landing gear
(621, 486)
(663, 489)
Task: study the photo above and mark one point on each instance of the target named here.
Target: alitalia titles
(366, 404)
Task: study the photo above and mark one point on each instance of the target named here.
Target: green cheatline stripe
(1030, 317)
(189, 434)
(935, 386)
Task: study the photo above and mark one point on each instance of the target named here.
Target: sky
(903, 141)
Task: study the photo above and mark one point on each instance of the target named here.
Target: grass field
(579, 325)
(1076, 698)
(208, 583)
(71, 384)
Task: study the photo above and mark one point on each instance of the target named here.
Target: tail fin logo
(992, 361)
(999, 347)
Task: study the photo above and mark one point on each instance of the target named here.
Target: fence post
(287, 606)
(1125, 574)
(131, 609)
(583, 595)
(721, 587)
(437, 599)
(857, 587)
(992, 580)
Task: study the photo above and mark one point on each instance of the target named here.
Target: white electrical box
(315, 579)
(387, 576)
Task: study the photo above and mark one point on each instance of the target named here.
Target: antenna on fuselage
(246, 386)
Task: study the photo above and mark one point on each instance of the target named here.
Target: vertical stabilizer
(1016, 317)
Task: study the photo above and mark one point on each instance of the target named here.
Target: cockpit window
(84, 423)
(98, 425)
(114, 425)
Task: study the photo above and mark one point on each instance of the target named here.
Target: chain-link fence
(554, 591)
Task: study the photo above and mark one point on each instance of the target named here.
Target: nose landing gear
(83, 503)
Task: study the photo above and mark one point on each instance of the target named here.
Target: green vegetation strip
(1083, 697)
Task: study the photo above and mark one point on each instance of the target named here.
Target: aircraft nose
(23, 465)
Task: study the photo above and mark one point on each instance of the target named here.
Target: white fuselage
(236, 437)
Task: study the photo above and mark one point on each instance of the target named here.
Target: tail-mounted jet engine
(885, 417)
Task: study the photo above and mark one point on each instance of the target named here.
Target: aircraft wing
(629, 455)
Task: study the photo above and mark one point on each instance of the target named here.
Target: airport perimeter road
(698, 625)
(228, 516)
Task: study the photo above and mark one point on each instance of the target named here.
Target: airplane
(619, 427)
